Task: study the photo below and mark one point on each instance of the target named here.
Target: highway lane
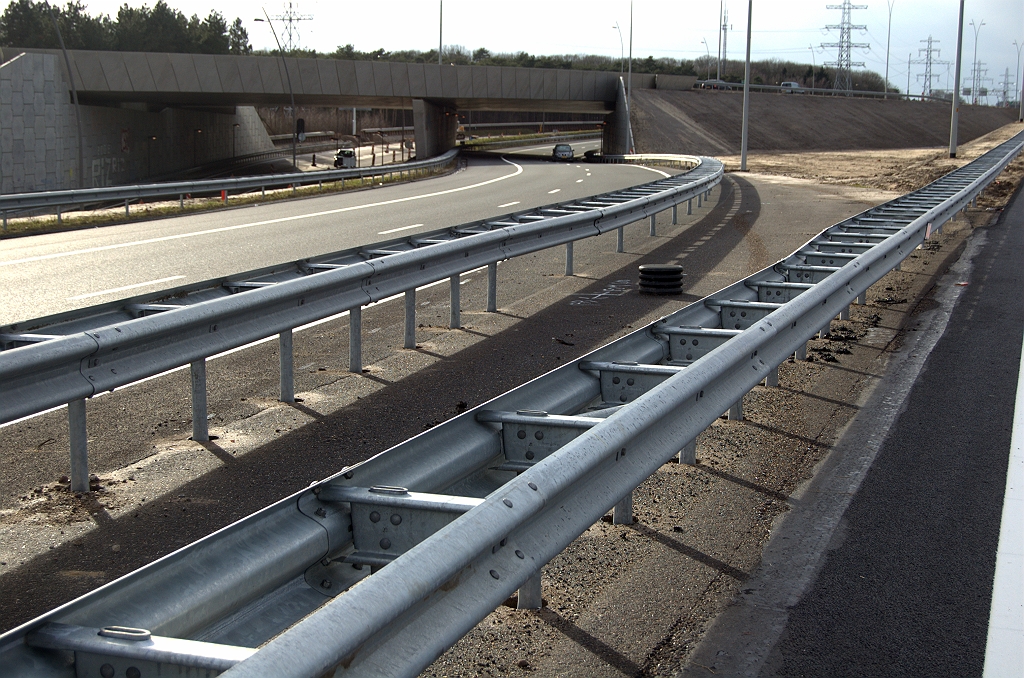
(46, 274)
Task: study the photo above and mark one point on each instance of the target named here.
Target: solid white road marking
(181, 236)
(396, 230)
(126, 287)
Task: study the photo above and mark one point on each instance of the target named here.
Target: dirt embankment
(707, 122)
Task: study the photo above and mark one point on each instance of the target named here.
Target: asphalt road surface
(903, 584)
(47, 274)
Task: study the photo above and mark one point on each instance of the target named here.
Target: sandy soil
(901, 170)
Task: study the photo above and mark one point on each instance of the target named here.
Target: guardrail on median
(18, 202)
(68, 358)
(377, 570)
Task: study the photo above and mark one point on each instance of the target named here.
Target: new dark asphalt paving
(906, 587)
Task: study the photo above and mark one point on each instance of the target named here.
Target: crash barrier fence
(65, 359)
(377, 570)
(77, 198)
(490, 144)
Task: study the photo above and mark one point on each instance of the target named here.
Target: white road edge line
(125, 288)
(1004, 653)
(396, 230)
(181, 236)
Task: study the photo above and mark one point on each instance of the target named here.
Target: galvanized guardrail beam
(262, 582)
(19, 202)
(102, 348)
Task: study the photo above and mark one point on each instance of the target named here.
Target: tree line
(26, 23)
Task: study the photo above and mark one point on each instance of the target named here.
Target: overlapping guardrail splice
(378, 569)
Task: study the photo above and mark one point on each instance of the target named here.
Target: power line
(291, 17)
(928, 62)
(844, 66)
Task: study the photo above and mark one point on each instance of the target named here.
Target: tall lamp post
(888, 41)
(622, 50)
(707, 51)
(814, 67)
(1020, 88)
(954, 120)
(288, 77)
(975, 71)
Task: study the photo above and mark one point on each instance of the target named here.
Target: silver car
(563, 152)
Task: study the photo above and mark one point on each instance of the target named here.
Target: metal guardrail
(69, 357)
(24, 201)
(377, 570)
(489, 143)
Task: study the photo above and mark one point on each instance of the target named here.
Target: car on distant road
(345, 157)
(714, 84)
(792, 88)
(563, 152)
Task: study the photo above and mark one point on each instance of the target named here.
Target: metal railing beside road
(378, 569)
(19, 202)
(64, 359)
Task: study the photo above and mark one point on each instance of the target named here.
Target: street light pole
(707, 50)
(975, 71)
(440, 31)
(288, 76)
(1020, 88)
(955, 118)
(746, 93)
(888, 41)
(814, 67)
(622, 50)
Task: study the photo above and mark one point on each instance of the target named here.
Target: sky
(784, 29)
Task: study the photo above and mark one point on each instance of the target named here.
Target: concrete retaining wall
(39, 134)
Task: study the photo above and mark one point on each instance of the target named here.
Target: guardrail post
(700, 199)
(801, 353)
(530, 594)
(263, 190)
(568, 258)
(736, 411)
(654, 231)
(59, 220)
(688, 455)
(689, 206)
(455, 318)
(826, 330)
(622, 514)
(772, 380)
(619, 245)
(845, 313)
(675, 214)
(410, 318)
(287, 367)
(181, 201)
(79, 446)
(355, 339)
(200, 427)
(492, 287)
(126, 208)
(5, 222)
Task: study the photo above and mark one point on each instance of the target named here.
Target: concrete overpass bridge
(145, 114)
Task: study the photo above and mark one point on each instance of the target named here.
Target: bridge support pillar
(435, 125)
(617, 138)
